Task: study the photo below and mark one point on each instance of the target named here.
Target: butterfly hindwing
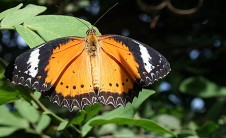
(74, 87)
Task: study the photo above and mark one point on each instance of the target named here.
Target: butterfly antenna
(105, 13)
(82, 22)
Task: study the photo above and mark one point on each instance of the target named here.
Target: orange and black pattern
(79, 71)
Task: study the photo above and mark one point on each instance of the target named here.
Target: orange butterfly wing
(119, 73)
(126, 66)
(71, 76)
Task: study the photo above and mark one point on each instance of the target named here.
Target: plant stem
(44, 109)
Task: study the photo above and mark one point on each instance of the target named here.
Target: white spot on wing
(33, 62)
(145, 57)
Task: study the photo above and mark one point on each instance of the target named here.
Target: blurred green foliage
(189, 103)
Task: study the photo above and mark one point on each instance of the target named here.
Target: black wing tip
(156, 75)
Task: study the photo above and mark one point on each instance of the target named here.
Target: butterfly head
(91, 31)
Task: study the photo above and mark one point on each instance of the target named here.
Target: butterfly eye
(88, 32)
(91, 31)
(94, 31)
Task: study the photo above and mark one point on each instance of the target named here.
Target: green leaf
(79, 118)
(144, 123)
(30, 37)
(127, 112)
(21, 15)
(9, 119)
(85, 115)
(27, 111)
(92, 110)
(50, 27)
(62, 125)
(37, 94)
(202, 87)
(130, 109)
(43, 123)
(6, 131)
(207, 129)
(24, 92)
(10, 11)
(169, 121)
(8, 95)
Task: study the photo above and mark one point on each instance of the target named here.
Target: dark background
(193, 43)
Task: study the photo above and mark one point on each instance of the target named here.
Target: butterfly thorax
(93, 52)
(92, 41)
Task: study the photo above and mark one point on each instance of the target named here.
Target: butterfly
(79, 71)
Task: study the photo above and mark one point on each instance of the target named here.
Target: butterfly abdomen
(95, 71)
(93, 52)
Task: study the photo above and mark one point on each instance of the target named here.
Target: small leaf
(169, 121)
(50, 27)
(62, 125)
(43, 123)
(9, 119)
(10, 11)
(79, 118)
(27, 111)
(208, 128)
(30, 37)
(8, 95)
(92, 110)
(202, 87)
(37, 95)
(144, 123)
(22, 15)
(6, 131)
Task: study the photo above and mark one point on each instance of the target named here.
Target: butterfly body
(79, 71)
(93, 52)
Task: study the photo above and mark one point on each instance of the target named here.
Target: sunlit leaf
(51, 27)
(27, 111)
(144, 123)
(10, 11)
(62, 125)
(6, 131)
(30, 37)
(7, 118)
(21, 15)
(43, 122)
